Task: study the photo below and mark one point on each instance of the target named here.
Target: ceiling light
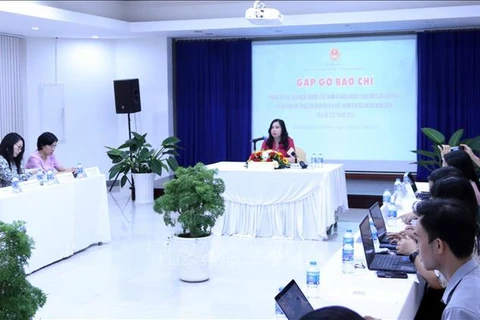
(94, 37)
(35, 28)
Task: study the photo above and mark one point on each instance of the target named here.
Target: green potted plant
(193, 201)
(433, 159)
(18, 298)
(136, 156)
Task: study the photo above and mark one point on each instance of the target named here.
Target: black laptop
(293, 302)
(379, 222)
(383, 262)
(421, 195)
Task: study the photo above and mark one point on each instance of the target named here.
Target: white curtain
(12, 62)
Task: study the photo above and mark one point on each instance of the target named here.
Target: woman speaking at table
(43, 158)
(11, 155)
(278, 139)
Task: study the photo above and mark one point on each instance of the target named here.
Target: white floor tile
(134, 276)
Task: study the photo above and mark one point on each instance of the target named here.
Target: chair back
(301, 155)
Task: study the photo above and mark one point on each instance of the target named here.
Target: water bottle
(376, 242)
(347, 253)
(397, 191)
(387, 197)
(50, 178)
(278, 311)
(392, 215)
(313, 161)
(80, 172)
(16, 186)
(313, 279)
(320, 160)
(40, 177)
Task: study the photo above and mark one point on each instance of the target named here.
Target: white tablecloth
(365, 293)
(292, 203)
(62, 219)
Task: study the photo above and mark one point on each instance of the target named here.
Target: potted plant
(193, 201)
(433, 159)
(137, 157)
(18, 298)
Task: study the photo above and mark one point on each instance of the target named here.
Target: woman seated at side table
(11, 155)
(44, 158)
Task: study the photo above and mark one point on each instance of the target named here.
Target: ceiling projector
(263, 16)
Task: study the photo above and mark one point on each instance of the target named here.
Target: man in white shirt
(446, 237)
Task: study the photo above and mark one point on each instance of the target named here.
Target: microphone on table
(258, 139)
(292, 153)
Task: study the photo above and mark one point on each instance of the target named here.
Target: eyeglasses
(53, 145)
(18, 147)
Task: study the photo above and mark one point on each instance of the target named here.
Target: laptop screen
(293, 302)
(367, 241)
(378, 220)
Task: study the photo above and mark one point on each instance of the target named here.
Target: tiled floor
(134, 276)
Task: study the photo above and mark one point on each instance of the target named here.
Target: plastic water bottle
(347, 253)
(314, 160)
(397, 191)
(313, 279)
(16, 186)
(50, 177)
(40, 177)
(320, 160)
(392, 215)
(80, 172)
(376, 242)
(278, 311)
(387, 197)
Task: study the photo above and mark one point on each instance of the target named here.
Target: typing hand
(371, 318)
(394, 236)
(408, 217)
(406, 246)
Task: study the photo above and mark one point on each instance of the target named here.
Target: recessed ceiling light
(35, 28)
(94, 37)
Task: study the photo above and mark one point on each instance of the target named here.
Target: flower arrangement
(270, 156)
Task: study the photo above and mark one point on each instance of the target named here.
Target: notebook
(421, 195)
(379, 222)
(293, 302)
(384, 262)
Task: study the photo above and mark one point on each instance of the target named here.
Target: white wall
(87, 68)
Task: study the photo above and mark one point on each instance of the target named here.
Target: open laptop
(383, 262)
(379, 222)
(421, 195)
(293, 302)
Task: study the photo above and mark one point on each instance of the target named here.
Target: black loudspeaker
(127, 96)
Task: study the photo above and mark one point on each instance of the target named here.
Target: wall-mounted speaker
(127, 96)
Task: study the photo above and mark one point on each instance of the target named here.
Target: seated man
(446, 237)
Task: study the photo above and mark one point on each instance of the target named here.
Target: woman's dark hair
(333, 312)
(46, 139)
(444, 172)
(462, 161)
(283, 137)
(6, 149)
(461, 189)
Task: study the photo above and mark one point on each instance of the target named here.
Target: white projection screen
(352, 99)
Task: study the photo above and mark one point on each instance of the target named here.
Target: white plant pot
(192, 255)
(143, 187)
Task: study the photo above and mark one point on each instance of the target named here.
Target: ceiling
(197, 19)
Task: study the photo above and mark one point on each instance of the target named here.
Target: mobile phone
(392, 274)
(453, 149)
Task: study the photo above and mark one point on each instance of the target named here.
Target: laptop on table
(420, 195)
(293, 302)
(379, 222)
(382, 262)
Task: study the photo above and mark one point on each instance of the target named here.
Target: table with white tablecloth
(293, 203)
(62, 218)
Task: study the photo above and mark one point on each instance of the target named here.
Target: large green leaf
(475, 143)
(156, 166)
(434, 135)
(172, 163)
(170, 141)
(455, 138)
(123, 181)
